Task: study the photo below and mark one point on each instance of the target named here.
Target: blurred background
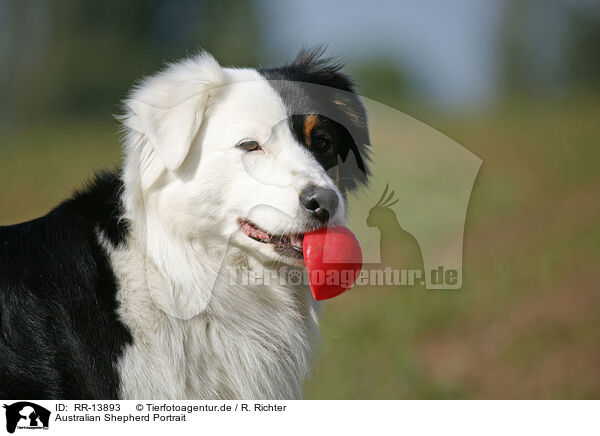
(515, 82)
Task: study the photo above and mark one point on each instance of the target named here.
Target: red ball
(333, 259)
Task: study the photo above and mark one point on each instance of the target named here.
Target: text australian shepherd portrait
(119, 292)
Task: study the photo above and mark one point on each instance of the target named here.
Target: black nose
(320, 203)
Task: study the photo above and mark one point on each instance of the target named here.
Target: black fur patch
(59, 333)
(341, 115)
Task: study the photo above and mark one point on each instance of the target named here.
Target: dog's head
(257, 157)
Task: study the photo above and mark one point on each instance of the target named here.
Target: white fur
(186, 185)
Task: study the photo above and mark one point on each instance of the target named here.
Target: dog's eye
(249, 146)
(321, 142)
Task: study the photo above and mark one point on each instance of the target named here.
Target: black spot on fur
(342, 116)
(60, 336)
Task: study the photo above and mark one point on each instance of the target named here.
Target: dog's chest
(249, 343)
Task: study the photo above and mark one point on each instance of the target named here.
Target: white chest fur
(250, 342)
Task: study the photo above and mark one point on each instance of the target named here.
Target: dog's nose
(320, 203)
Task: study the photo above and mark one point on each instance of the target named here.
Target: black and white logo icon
(26, 415)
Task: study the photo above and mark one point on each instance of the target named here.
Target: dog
(122, 291)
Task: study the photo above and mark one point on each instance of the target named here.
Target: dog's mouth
(289, 245)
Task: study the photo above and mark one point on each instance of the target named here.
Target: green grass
(525, 323)
(44, 163)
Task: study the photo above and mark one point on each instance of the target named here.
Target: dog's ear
(167, 108)
(170, 131)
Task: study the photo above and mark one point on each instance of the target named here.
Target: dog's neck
(249, 342)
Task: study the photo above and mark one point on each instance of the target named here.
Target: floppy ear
(167, 109)
(170, 131)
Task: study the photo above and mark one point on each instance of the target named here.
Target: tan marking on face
(310, 122)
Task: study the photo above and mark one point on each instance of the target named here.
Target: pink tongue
(333, 259)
